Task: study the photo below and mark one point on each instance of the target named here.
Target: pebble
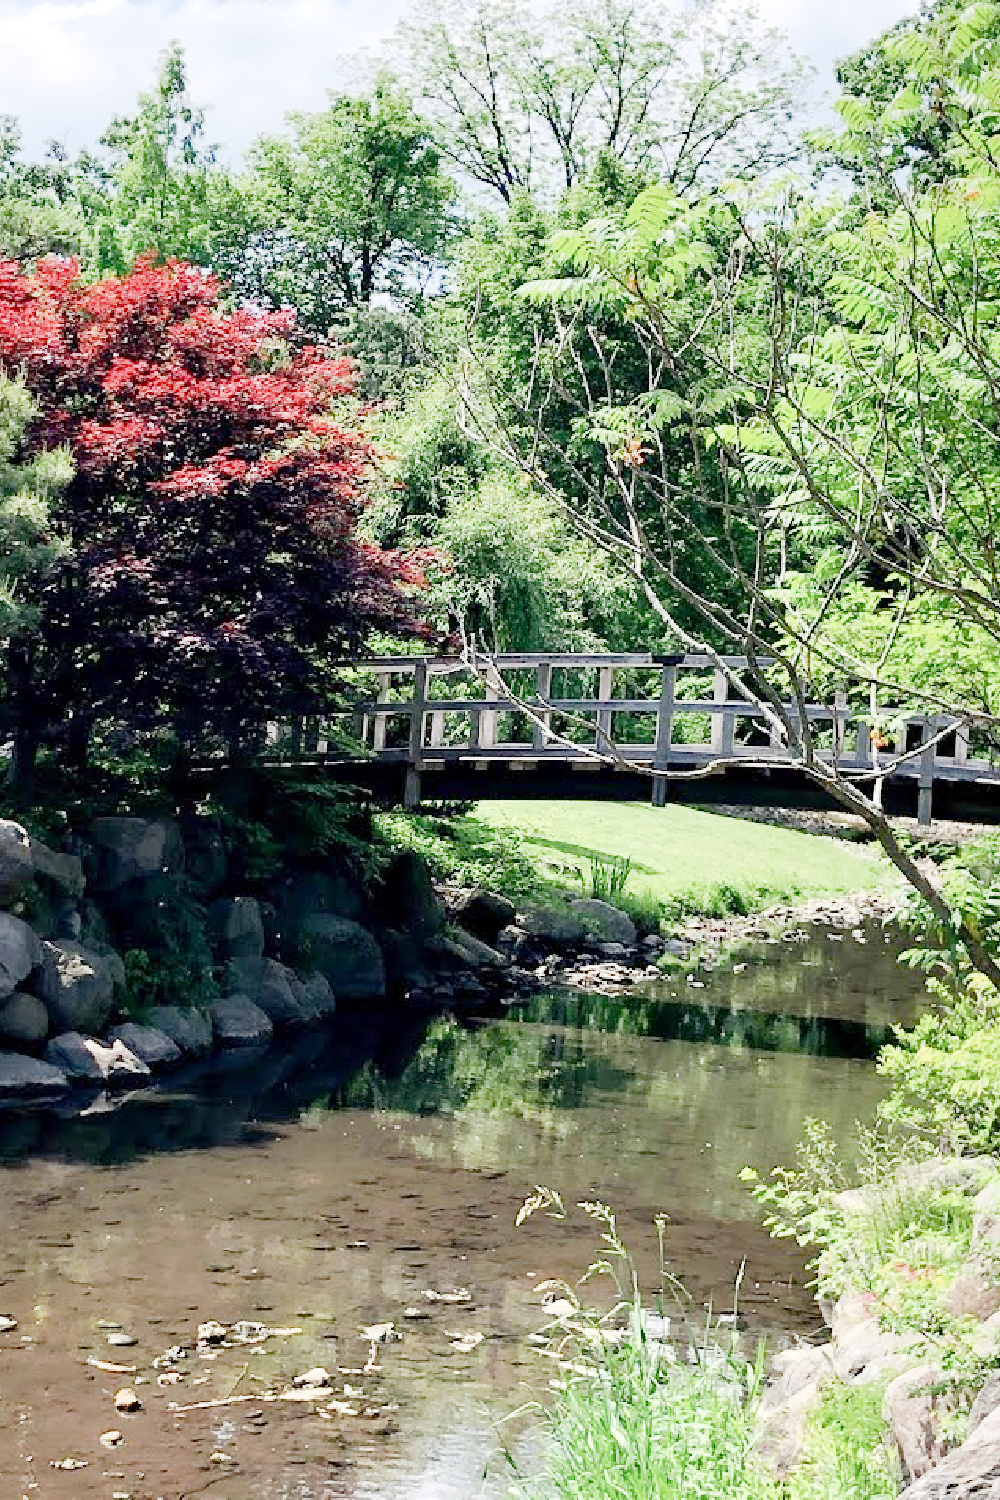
(112, 1438)
(316, 1377)
(7, 1324)
(127, 1400)
(211, 1332)
(122, 1340)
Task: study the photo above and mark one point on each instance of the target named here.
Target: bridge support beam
(664, 729)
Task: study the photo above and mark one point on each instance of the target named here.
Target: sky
(67, 66)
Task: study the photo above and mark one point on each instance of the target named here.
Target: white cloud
(66, 68)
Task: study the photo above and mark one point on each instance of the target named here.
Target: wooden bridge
(434, 727)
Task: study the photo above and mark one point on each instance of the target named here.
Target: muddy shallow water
(323, 1194)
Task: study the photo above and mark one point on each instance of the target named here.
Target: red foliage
(215, 567)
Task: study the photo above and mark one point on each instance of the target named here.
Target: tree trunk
(21, 662)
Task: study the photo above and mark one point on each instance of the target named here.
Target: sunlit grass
(686, 859)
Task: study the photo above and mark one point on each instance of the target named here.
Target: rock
(313, 1378)
(25, 1077)
(346, 954)
(484, 914)
(130, 850)
(301, 893)
(7, 1323)
(556, 926)
(409, 900)
(315, 995)
(236, 928)
(155, 1048)
(606, 922)
(17, 868)
(119, 1340)
(914, 1412)
(205, 862)
(405, 960)
(985, 1403)
(237, 1022)
(849, 1311)
(986, 1213)
(83, 1057)
(20, 953)
(127, 1400)
(63, 871)
(77, 987)
(612, 950)
(974, 1292)
(111, 1439)
(782, 1437)
(971, 1472)
(69, 923)
(797, 1368)
(866, 1352)
(271, 986)
(211, 1332)
(190, 1030)
(23, 1020)
(480, 955)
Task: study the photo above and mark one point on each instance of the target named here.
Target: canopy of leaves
(214, 570)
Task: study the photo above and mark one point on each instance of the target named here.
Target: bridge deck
(439, 723)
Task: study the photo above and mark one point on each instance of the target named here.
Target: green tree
(30, 546)
(152, 186)
(39, 214)
(353, 204)
(527, 101)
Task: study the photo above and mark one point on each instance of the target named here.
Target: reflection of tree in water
(487, 1070)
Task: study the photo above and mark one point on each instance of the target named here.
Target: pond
(329, 1188)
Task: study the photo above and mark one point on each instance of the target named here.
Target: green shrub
(846, 1455)
(946, 1072)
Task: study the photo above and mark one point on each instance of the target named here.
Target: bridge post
(664, 726)
(605, 690)
(925, 786)
(543, 691)
(379, 720)
(411, 791)
(723, 723)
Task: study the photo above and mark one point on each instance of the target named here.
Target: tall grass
(609, 876)
(636, 1416)
(643, 1431)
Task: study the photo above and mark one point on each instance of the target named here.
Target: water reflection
(327, 1185)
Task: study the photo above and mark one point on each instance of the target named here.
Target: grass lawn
(683, 856)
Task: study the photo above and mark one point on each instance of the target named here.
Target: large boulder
(17, 868)
(90, 1061)
(236, 928)
(27, 1078)
(405, 960)
(189, 1030)
(62, 871)
(315, 994)
(151, 1046)
(554, 925)
(20, 953)
(271, 986)
(127, 851)
(971, 1472)
(237, 1022)
(346, 954)
(409, 900)
(915, 1409)
(23, 1020)
(605, 922)
(484, 914)
(477, 955)
(77, 986)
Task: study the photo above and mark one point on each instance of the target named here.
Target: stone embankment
(942, 1412)
(278, 956)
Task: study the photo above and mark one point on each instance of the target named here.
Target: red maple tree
(214, 569)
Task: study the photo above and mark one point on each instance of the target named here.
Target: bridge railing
(429, 711)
